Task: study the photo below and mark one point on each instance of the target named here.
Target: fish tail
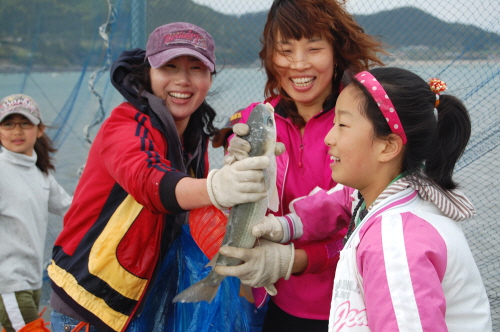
(203, 290)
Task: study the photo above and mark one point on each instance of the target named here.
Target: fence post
(138, 17)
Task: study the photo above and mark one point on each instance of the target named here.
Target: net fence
(60, 52)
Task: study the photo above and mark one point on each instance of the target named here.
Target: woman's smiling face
(306, 68)
(183, 83)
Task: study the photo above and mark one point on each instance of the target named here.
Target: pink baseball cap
(20, 104)
(175, 39)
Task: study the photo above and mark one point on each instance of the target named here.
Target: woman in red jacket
(146, 168)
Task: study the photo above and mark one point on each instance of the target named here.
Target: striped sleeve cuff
(292, 227)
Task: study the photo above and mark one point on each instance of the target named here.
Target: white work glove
(263, 265)
(237, 183)
(238, 147)
(279, 229)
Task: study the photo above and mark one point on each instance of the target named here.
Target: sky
(482, 13)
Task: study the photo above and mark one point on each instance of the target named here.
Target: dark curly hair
(354, 50)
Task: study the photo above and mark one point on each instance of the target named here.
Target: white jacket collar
(18, 158)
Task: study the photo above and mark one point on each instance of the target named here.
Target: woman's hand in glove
(237, 183)
(239, 148)
(263, 265)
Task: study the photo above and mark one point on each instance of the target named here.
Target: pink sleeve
(243, 117)
(324, 213)
(322, 254)
(402, 261)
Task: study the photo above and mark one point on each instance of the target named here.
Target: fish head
(262, 131)
(262, 139)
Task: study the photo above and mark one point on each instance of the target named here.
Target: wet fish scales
(242, 218)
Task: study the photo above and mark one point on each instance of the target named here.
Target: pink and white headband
(384, 103)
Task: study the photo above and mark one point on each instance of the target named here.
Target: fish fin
(270, 107)
(274, 199)
(272, 189)
(246, 292)
(213, 261)
(201, 291)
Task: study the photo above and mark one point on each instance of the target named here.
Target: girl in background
(406, 264)
(28, 192)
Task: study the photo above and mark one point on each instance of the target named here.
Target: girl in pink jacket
(406, 264)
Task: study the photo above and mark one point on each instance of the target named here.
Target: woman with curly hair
(310, 48)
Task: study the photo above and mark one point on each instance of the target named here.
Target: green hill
(58, 34)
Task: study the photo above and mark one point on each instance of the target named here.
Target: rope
(80, 326)
(104, 30)
(104, 33)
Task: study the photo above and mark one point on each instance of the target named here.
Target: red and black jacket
(124, 213)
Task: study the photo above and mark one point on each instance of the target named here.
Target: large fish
(262, 139)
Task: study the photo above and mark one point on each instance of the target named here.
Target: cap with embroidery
(175, 39)
(20, 104)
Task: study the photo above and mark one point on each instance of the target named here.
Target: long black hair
(436, 143)
(201, 121)
(44, 148)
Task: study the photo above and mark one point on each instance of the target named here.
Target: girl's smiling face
(20, 140)
(353, 147)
